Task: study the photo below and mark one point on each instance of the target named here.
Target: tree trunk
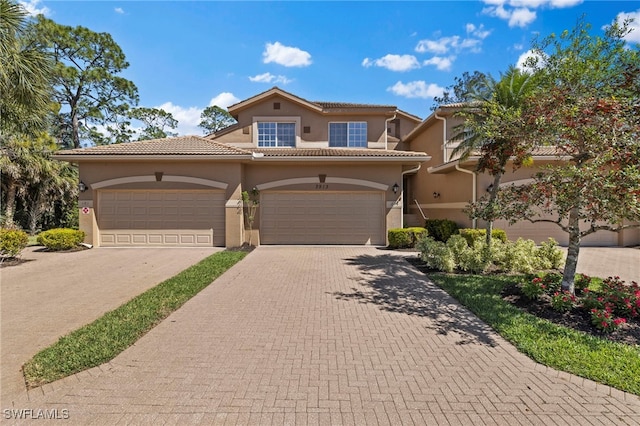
(572, 252)
(11, 202)
(491, 204)
(75, 129)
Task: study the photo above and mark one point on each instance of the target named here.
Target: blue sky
(187, 55)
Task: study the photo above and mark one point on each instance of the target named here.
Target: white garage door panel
(157, 218)
(323, 218)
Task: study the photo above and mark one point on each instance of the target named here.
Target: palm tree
(25, 72)
(493, 128)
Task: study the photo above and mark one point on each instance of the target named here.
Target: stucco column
(87, 221)
(234, 219)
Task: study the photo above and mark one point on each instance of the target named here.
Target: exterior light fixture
(395, 188)
(159, 176)
(490, 188)
(82, 186)
(436, 194)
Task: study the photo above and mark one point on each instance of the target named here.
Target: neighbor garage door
(322, 218)
(541, 231)
(161, 218)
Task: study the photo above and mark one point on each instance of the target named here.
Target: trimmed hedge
(12, 242)
(441, 229)
(405, 237)
(60, 238)
(473, 235)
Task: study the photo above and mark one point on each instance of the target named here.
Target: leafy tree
(32, 182)
(214, 118)
(155, 121)
(589, 109)
(462, 90)
(494, 127)
(25, 73)
(85, 76)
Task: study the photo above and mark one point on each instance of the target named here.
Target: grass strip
(565, 349)
(106, 337)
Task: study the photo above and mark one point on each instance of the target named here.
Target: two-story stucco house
(325, 172)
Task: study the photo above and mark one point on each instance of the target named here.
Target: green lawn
(106, 337)
(564, 349)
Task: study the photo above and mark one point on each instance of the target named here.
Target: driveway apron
(52, 294)
(327, 335)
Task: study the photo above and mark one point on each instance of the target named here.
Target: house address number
(322, 186)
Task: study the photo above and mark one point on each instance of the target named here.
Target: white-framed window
(275, 134)
(351, 134)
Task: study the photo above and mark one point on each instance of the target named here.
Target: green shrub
(441, 229)
(435, 254)
(472, 235)
(563, 301)
(520, 256)
(60, 238)
(405, 237)
(533, 288)
(549, 255)
(12, 242)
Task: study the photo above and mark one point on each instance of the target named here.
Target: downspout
(386, 132)
(473, 192)
(444, 136)
(402, 205)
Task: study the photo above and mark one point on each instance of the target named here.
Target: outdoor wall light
(489, 188)
(159, 176)
(82, 187)
(436, 194)
(395, 188)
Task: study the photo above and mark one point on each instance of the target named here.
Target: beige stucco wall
(92, 173)
(317, 123)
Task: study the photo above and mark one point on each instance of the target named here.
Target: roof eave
(74, 158)
(419, 159)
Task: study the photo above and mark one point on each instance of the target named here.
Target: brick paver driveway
(328, 335)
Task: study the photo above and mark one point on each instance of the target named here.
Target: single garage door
(541, 231)
(292, 217)
(161, 217)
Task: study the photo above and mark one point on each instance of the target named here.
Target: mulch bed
(577, 318)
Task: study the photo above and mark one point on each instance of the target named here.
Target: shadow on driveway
(396, 286)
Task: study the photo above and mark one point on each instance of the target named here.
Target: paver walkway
(335, 335)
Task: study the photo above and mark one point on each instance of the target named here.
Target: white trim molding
(165, 178)
(315, 179)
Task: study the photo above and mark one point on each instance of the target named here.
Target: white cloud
(634, 35)
(441, 63)
(188, 118)
(223, 100)
(31, 6)
(393, 62)
(286, 55)
(119, 10)
(416, 89)
(520, 13)
(478, 32)
(442, 45)
(455, 43)
(521, 64)
(267, 77)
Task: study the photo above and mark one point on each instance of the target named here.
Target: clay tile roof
(330, 105)
(335, 152)
(183, 145)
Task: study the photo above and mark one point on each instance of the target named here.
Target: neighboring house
(326, 173)
(447, 184)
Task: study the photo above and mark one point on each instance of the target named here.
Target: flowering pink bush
(603, 319)
(563, 301)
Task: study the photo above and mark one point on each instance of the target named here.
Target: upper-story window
(351, 134)
(276, 134)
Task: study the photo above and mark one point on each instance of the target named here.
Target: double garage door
(297, 217)
(161, 218)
